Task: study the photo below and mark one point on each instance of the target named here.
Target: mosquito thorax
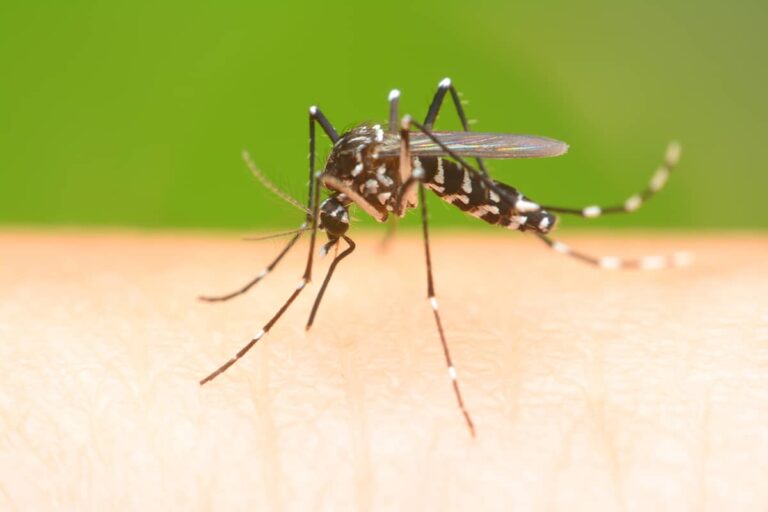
(355, 162)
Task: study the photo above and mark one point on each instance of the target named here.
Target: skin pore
(589, 389)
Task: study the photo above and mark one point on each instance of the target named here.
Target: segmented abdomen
(484, 198)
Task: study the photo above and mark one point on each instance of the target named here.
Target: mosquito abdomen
(482, 197)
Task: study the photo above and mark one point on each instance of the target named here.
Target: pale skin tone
(589, 389)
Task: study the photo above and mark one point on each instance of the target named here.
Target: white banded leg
(634, 202)
(433, 302)
(445, 86)
(264, 330)
(328, 275)
(315, 116)
(678, 259)
(262, 274)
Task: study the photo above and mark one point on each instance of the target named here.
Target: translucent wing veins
(475, 144)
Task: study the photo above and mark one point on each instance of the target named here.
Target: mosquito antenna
(275, 235)
(269, 185)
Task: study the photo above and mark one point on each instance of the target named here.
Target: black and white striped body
(498, 204)
(365, 168)
(371, 181)
(361, 176)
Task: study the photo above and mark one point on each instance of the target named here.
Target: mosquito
(385, 171)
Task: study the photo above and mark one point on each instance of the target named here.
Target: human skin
(589, 389)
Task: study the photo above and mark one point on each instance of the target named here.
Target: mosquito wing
(475, 144)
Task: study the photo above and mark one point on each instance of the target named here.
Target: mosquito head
(334, 217)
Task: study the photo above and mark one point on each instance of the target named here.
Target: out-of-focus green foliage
(135, 113)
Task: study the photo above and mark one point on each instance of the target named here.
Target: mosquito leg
(433, 303)
(262, 275)
(406, 195)
(679, 259)
(444, 87)
(634, 202)
(327, 279)
(394, 101)
(314, 208)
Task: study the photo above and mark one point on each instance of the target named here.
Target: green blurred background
(135, 114)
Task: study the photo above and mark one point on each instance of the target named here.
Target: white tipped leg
(678, 259)
(656, 183)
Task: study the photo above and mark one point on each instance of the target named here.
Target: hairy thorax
(356, 164)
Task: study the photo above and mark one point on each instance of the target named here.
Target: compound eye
(334, 218)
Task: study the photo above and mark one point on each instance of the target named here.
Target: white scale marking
(609, 262)
(673, 154)
(379, 132)
(433, 302)
(371, 186)
(561, 247)
(436, 188)
(466, 184)
(357, 170)
(633, 203)
(452, 197)
(313, 110)
(452, 372)
(544, 223)
(524, 206)
(659, 179)
(591, 212)
(384, 197)
(259, 334)
(517, 221)
(381, 175)
(493, 196)
(302, 284)
(445, 83)
(440, 176)
(393, 94)
(481, 210)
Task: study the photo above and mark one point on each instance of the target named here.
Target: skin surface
(590, 390)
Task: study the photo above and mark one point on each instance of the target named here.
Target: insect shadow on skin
(386, 172)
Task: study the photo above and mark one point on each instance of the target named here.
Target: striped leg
(314, 116)
(415, 180)
(328, 275)
(394, 102)
(433, 302)
(634, 202)
(443, 87)
(679, 259)
(314, 210)
(262, 274)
